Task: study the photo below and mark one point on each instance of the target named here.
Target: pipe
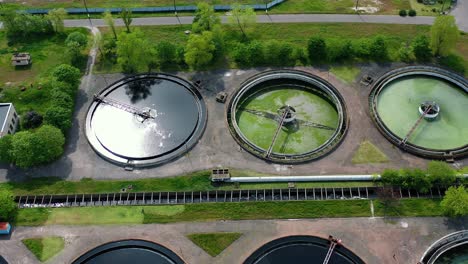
(320, 178)
(310, 178)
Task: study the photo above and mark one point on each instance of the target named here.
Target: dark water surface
(175, 111)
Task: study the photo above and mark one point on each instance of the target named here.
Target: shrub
(421, 48)
(412, 13)
(391, 177)
(339, 50)
(32, 119)
(165, 52)
(61, 99)
(33, 148)
(199, 51)
(378, 49)
(317, 49)
(251, 54)
(5, 149)
(300, 55)
(404, 52)
(59, 117)
(77, 37)
(402, 13)
(361, 48)
(455, 202)
(68, 74)
(441, 173)
(278, 53)
(8, 209)
(454, 62)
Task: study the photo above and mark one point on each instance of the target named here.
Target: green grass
(223, 211)
(290, 6)
(368, 153)
(410, 207)
(214, 243)
(115, 3)
(46, 53)
(347, 74)
(44, 248)
(426, 10)
(197, 181)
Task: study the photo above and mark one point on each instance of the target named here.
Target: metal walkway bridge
(217, 196)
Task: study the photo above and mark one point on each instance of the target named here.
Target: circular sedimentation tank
(287, 116)
(129, 251)
(301, 250)
(146, 119)
(423, 111)
(457, 255)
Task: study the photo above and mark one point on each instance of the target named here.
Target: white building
(21, 59)
(9, 119)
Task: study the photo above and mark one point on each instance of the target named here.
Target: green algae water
(398, 103)
(292, 139)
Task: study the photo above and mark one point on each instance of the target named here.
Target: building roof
(4, 110)
(21, 56)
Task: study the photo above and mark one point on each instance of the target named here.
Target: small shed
(5, 228)
(21, 59)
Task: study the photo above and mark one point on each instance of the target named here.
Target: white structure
(21, 59)
(9, 119)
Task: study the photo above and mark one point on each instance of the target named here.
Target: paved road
(375, 240)
(461, 14)
(298, 18)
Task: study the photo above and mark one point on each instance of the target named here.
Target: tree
(67, 74)
(74, 51)
(61, 98)
(243, 17)
(110, 22)
(165, 53)
(391, 177)
(404, 52)
(441, 173)
(30, 148)
(51, 141)
(444, 35)
(19, 25)
(317, 49)
(416, 179)
(199, 50)
(455, 202)
(32, 119)
(205, 18)
(378, 48)
(56, 17)
(421, 48)
(8, 207)
(77, 37)
(126, 16)
(5, 149)
(133, 51)
(59, 117)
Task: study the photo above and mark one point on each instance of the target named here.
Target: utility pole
(357, 4)
(87, 12)
(175, 8)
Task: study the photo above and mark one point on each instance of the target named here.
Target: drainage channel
(217, 196)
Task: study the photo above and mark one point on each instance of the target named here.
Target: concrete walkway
(297, 18)
(460, 12)
(375, 240)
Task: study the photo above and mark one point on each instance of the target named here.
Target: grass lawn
(191, 212)
(223, 211)
(198, 181)
(368, 153)
(45, 247)
(339, 6)
(410, 207)
(427, 10)
(290, 6)
(347, 74)
(114, 3)
(296, 34)
(214, 243)
(46, 54)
